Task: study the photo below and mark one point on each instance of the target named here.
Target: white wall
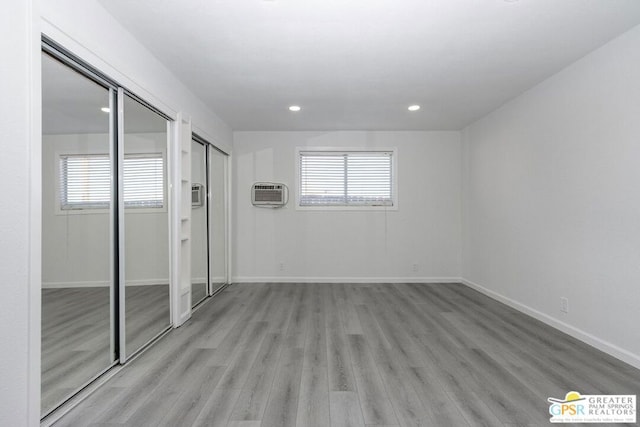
(552, 199)
(19, 222)
(349, 245)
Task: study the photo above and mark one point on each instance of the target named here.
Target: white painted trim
(289, 279)
(113, 223)
(103, 283)
(87, 284)
(228, 200)
(148, 282)
(228, 232)
(34, 248)
(174, 152)
(120, 232)
(180, 247)
(600, 344)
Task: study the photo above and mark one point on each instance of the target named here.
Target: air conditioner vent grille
(269, 194)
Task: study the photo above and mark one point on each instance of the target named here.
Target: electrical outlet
(415, 268)
(281, 266)
(564, 305)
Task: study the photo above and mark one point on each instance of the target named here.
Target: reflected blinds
(346, 178)
(143, 181)
(85, 181)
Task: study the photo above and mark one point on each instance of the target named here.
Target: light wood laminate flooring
(276, 355)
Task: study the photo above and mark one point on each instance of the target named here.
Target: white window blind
(143, 181)
(85, 181)
(346, 178)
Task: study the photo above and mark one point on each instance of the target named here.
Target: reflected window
(85, 181)
(143, 181)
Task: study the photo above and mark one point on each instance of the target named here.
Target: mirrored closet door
(199, 223)
(78, 283)
(144, 227)
(218, 163)
(208, 219)
(105, 226)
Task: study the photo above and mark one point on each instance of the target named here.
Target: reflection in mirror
(77, 282)
(217, 219)
(146, 225)
(199, 244)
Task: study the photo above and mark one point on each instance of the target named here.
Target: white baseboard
(600, 344)
(148, 282)
(289, 279)
(106, 284)
(102, 283)
(87, 284)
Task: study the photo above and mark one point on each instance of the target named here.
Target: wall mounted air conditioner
(269, 194)
(197, 198)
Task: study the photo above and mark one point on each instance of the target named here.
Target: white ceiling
(358, 64)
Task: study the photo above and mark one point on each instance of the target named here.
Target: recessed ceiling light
(413, 107)
(295, 108)
(105, 109)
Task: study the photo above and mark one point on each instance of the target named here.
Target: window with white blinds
(346, 178)
(85, 181)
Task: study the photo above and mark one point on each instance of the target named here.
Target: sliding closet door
(218, 218)
(144, 225)
(77, 232)
(199, 226)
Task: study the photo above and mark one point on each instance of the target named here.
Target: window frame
(346, 207)
(106, 210)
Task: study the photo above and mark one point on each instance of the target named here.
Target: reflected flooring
(75, 340)
(353, 355)
(198, 292)
(148, 314)
(76, 337)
